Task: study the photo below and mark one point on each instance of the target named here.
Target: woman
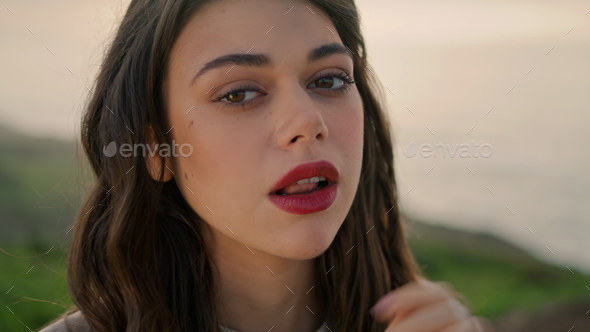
(244, 180)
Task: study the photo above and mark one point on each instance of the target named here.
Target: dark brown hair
(138, 260)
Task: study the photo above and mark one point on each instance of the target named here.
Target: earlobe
(154, 166)
(154, 162)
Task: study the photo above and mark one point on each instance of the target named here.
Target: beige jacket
(72, 323)
(77, 323)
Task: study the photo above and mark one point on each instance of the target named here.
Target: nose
(299, 117)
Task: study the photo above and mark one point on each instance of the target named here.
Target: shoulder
(73, 322)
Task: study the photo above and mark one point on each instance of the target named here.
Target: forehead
(285, 30)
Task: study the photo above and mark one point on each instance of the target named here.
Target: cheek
(350, 127)
(223, 157)
(351, 130)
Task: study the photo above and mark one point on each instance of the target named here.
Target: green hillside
(38, 187)
(495, 276)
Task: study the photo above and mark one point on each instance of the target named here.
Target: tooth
(315, 179)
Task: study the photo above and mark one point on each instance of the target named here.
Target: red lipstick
(304, 203)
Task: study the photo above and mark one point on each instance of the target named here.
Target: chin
(307, 245)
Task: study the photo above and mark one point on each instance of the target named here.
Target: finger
(485, 324)
(440, 284)
(470, 324)
(459, 310)
(459, 302)
(431, 318)
(407, 300)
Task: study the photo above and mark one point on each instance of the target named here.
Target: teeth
(315, 179)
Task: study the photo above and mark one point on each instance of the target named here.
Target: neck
(259, 291)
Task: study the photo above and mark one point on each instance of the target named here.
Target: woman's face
(280, 114)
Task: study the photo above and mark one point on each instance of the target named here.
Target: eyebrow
(261, 60)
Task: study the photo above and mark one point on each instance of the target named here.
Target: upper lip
(306, 171)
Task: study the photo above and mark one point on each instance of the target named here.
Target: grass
(494, 276)
(34, 286)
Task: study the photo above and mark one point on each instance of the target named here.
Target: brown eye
(334, 82)
(235, 97)
(328, 82)
(239, 95)
(325, 82)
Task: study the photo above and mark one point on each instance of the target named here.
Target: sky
(51, 49)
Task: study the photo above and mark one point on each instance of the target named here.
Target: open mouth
(304, 180)
(318, 186)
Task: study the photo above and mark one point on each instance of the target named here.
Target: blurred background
(487, 103)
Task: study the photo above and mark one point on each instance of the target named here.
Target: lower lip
(316, 201)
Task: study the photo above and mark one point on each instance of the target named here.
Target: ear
(154, 161)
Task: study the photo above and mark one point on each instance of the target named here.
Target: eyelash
(348, 81)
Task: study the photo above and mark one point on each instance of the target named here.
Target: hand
(424, 306)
